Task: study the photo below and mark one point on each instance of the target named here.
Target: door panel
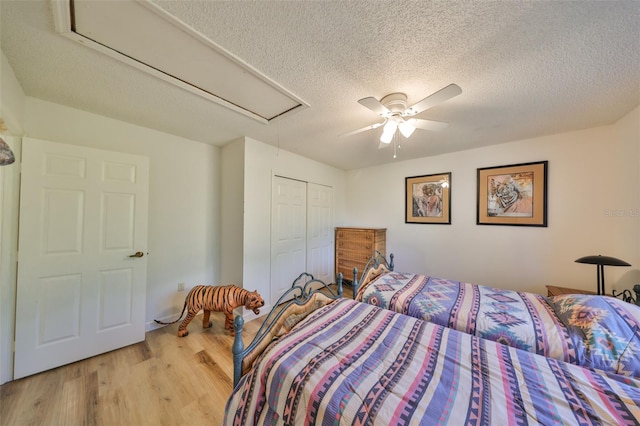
(118, 211)
(83, 212)
(116, 298)
(288, 234)
(320, 255)
(58, 325)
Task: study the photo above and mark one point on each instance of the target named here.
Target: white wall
(626, 211)
(13, 98)
(262, 162)
(232, 223)
(592, 173)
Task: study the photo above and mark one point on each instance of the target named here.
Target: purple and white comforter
(353, 363)
(594, 331)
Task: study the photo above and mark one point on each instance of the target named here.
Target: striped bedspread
(592, 331)
(521, 320)
(353, 363)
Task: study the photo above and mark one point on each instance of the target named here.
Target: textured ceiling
(526, 69)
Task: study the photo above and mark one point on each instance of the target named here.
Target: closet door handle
(137, 254)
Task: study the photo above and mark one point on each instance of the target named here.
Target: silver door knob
(137, 254)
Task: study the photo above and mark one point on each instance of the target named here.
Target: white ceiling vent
(145, 36)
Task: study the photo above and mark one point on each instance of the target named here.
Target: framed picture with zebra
(428, 199)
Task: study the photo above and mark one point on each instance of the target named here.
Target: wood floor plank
(202, 412)
(79, 400)
(34, 401)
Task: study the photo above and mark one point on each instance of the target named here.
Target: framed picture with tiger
(513, 195)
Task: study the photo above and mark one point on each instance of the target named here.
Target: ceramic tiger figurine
(209, 298)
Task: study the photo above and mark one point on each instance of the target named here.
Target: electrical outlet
(180, 286)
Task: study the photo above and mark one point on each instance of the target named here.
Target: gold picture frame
(428, 199)
(513, 195)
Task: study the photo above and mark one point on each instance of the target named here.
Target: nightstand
(557, 291)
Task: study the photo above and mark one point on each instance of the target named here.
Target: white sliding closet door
(320, 232)
(301, 233)
(288, 233)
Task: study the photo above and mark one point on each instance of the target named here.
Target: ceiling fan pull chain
(395, 144)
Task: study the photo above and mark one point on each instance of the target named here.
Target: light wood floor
(165, 380)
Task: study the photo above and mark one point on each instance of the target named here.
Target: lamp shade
(602, 260)
(388, 131)
(406, 128)
(390, 127)
(386, 137)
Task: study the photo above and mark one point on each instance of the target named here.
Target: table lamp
(600, 261)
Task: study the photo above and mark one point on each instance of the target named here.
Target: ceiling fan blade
(434, 99)
(374, 105)
(428, 124)
(364, 129)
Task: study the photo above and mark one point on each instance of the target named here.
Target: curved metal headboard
(627, 296)
(298, 294)
(374, 261)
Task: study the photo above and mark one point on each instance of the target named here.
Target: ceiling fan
(397, 116)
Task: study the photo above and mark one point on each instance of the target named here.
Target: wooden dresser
(354, 246)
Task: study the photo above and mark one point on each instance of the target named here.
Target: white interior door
(83, 214)
(288, 233)
(320, 234)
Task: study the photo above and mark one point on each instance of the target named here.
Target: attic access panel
(145, 36)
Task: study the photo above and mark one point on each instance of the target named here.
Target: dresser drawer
(353, 256)
(355, 244)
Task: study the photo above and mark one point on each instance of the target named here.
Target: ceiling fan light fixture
(393, 108)
(390, 126)
(406, 128)
(388, 131)
(386, 137)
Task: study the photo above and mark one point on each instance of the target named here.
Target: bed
(592, 331)
(322, 359)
